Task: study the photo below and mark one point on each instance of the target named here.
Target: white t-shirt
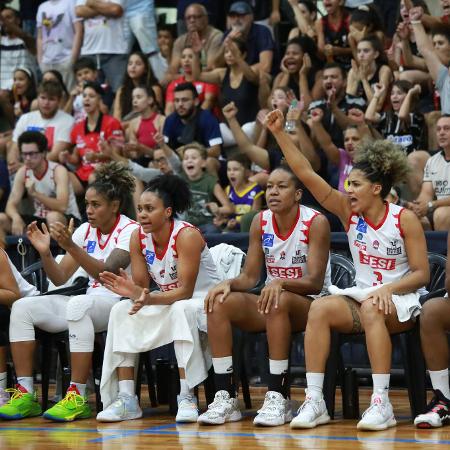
(437, 171)
(104, 34)
(56, 129)
(56, 19)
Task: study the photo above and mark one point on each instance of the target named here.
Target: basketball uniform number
(379, 277)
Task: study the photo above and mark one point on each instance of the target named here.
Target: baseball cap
(241, 8)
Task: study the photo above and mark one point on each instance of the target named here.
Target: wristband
(415, 22)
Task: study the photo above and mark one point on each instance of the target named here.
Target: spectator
(45, 182)
(23, 91)
(48, 119)
(55, 76)
(5, 187)
(202, 37)
(305, 12)
(59, 37)
(432, 205)
(190, 123)
(166, 39)
(260, 46)
(104, 38)
(138, 73)
(18, 49)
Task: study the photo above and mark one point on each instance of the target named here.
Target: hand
(274, 18)
(132, 150)
(331, 96)
(316, 115)
(402, 31)
(378, 90)
(30, 187)
(283, 67)
(270, 296)
(120, 284)
(420, 207)
(415, 13)
(294, 112)
(17, 226)
(14, 166)
(356, 116)
(77, 90)
(328, 50)
(262, 113)
(416, 89)
(220, 292)
(62, 234)
(354, 71)
(213, 207)
(195, 42)
(232, 224)
(63, 157)
(356, 34)
(382, 297)
(363, 71)
(159, 138)
(306, 65)
(144, 299)
(40, 240)
(274, 121)
(229, 111)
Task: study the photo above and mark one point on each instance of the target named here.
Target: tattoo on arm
(118, 259)
(356, 327)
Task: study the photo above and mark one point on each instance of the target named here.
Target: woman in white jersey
(293, 243)
(174, 255)
(390, 256)
(100, 244)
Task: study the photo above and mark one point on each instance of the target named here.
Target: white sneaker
(223, 409)
(312, 413)
(379, 415)
(275, 411)
(4, 397)
(126, 407)
(187, 409)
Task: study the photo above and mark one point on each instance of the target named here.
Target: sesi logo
(285, 272)
(377, 262)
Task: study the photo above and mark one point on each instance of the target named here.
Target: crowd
(124, 140)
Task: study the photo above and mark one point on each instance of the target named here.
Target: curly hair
(382, 162)
(114, 181)
(173, 191)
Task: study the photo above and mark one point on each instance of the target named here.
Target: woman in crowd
(23, 91)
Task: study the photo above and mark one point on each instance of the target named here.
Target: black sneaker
(438, 412)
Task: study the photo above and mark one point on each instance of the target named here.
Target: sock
(184, 389)
(381, 382)
(27, 383)
(278, 377)
(223, 375)
(439, 380)
(80, 387)
(314, 381)
(127, 387)
(3, 380)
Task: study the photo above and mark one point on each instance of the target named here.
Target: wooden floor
(158, 431)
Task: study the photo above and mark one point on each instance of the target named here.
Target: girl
(390, 256)
(292, 241)
(173, 254)
(23, 91)
(100, 244)
(138, 73)
(305, 12)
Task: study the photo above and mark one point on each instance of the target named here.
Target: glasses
(26, 155)
(194, 16)
(163, 159)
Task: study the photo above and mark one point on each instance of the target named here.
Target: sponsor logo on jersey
(377, 262)
(361, 226)
(270, 259)
(358, 242)
(162, 273)
(376, 244)
(395, 249)
(90, 248)
(149, 257)
(167, 287)
(285, 272)
(283, 255)
(267, 240)
(299, 259)
(173, 275)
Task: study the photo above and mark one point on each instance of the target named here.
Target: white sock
(127, 387)
(439, 380)
(223, 365)
(3, 380)
(314, 381)
(27, 383)
(184, 389)
(81, 388)
(278, 366)
(381, 382)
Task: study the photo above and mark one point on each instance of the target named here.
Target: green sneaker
(72, 406)
(21, 404)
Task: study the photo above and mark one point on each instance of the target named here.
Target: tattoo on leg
(356, 326)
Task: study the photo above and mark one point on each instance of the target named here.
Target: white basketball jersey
(100, 246)
(26, 289)
(163, 267)
(46, 185)
(287, 256)
(378, 252)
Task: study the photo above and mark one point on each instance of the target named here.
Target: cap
(240, 8)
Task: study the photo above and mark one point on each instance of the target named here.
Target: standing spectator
(46, 183)
(166, 39)
(104, 37)
(59, 37)
(48, 119)
(17, 47)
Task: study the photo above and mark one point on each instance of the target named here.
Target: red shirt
(202, 89)
(85, 140)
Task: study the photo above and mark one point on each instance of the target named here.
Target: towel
(228, 260)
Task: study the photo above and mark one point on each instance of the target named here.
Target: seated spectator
(369, 69)
(142, 129)
(208, 197)
(48, 119)
(190, 123)
(260, 45)
(23, 91)
(45, 182)
(138, 73)
(305, 12)
(202, 37)
(86, 135)
(59, 38)
(208, 93)
(18, 47)
(55, 76)
(432, 205)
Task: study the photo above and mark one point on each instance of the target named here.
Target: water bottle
(290, 124)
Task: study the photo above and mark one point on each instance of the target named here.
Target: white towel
(407, 305)
(228, 260)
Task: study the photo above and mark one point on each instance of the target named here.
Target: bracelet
(415, 22)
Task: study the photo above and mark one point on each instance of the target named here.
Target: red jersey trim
(45, 172)
(349, 222)
(377, 227)
(288, 235)
(161, 255)
(399, 226)
(102, 247)
(187, 225)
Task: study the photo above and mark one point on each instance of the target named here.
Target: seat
(437, 264)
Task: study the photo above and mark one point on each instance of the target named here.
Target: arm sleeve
(211, 129)
(145, 174)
